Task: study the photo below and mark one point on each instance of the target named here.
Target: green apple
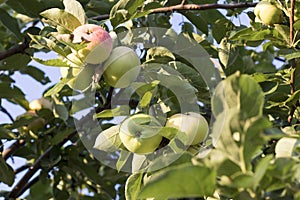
(194, 125)
(99, 43)
(268, 13)
(122, 67)
(140, 133)
(38, 104)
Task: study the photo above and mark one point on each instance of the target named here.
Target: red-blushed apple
(140, 133)
(194, 125)
(122, 67)
(268, 13)
(38, 104)
(99, 43)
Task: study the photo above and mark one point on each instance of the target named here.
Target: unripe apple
(140, 133)
(99, 43)
(268, 13)
(122, 67)
(38, 104)
(194, 125)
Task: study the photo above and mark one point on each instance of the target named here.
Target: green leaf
(30, 8)
(146, 99)
(57, 87)
(122, 110)
(7, 174)
(10, 91)
(261, 169)
(61, 18)
(185, 180)
(291, 56)
(123, 158)
(284, 32)
(61, 135)
(15, 62)
(41, 190)
(285, 147)
(60, 111)
(49, 44)
(168, 132)
(238, 92)
(75, 8)
(159, 55)
(7, 134)
(35, 73)
(10, 23)
(249, 34)
(133, 185)
(109, 140)
(123, 10)
(52, 62)
(198, 20)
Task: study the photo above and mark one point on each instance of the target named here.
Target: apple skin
(191, 123)
(99, 43)
(268, 13)
(140, 133)
(38, 104)
(122, 67)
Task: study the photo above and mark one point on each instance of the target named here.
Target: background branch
(10, 150)
(2, 109)
(14, 50)
(182, 6)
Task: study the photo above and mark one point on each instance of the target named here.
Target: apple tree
(181, 99)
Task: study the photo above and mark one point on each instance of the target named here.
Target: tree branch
(2, 109)
(182, 6)
(293, 62)
(29, 184)
(32, 170)
(14, 50)
(10, 150)
(22, 168)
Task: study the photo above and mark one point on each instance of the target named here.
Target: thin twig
(2, 109)
(100, 17)
(14, 50)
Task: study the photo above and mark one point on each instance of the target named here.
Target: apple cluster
(121, 65)
(142, 133)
